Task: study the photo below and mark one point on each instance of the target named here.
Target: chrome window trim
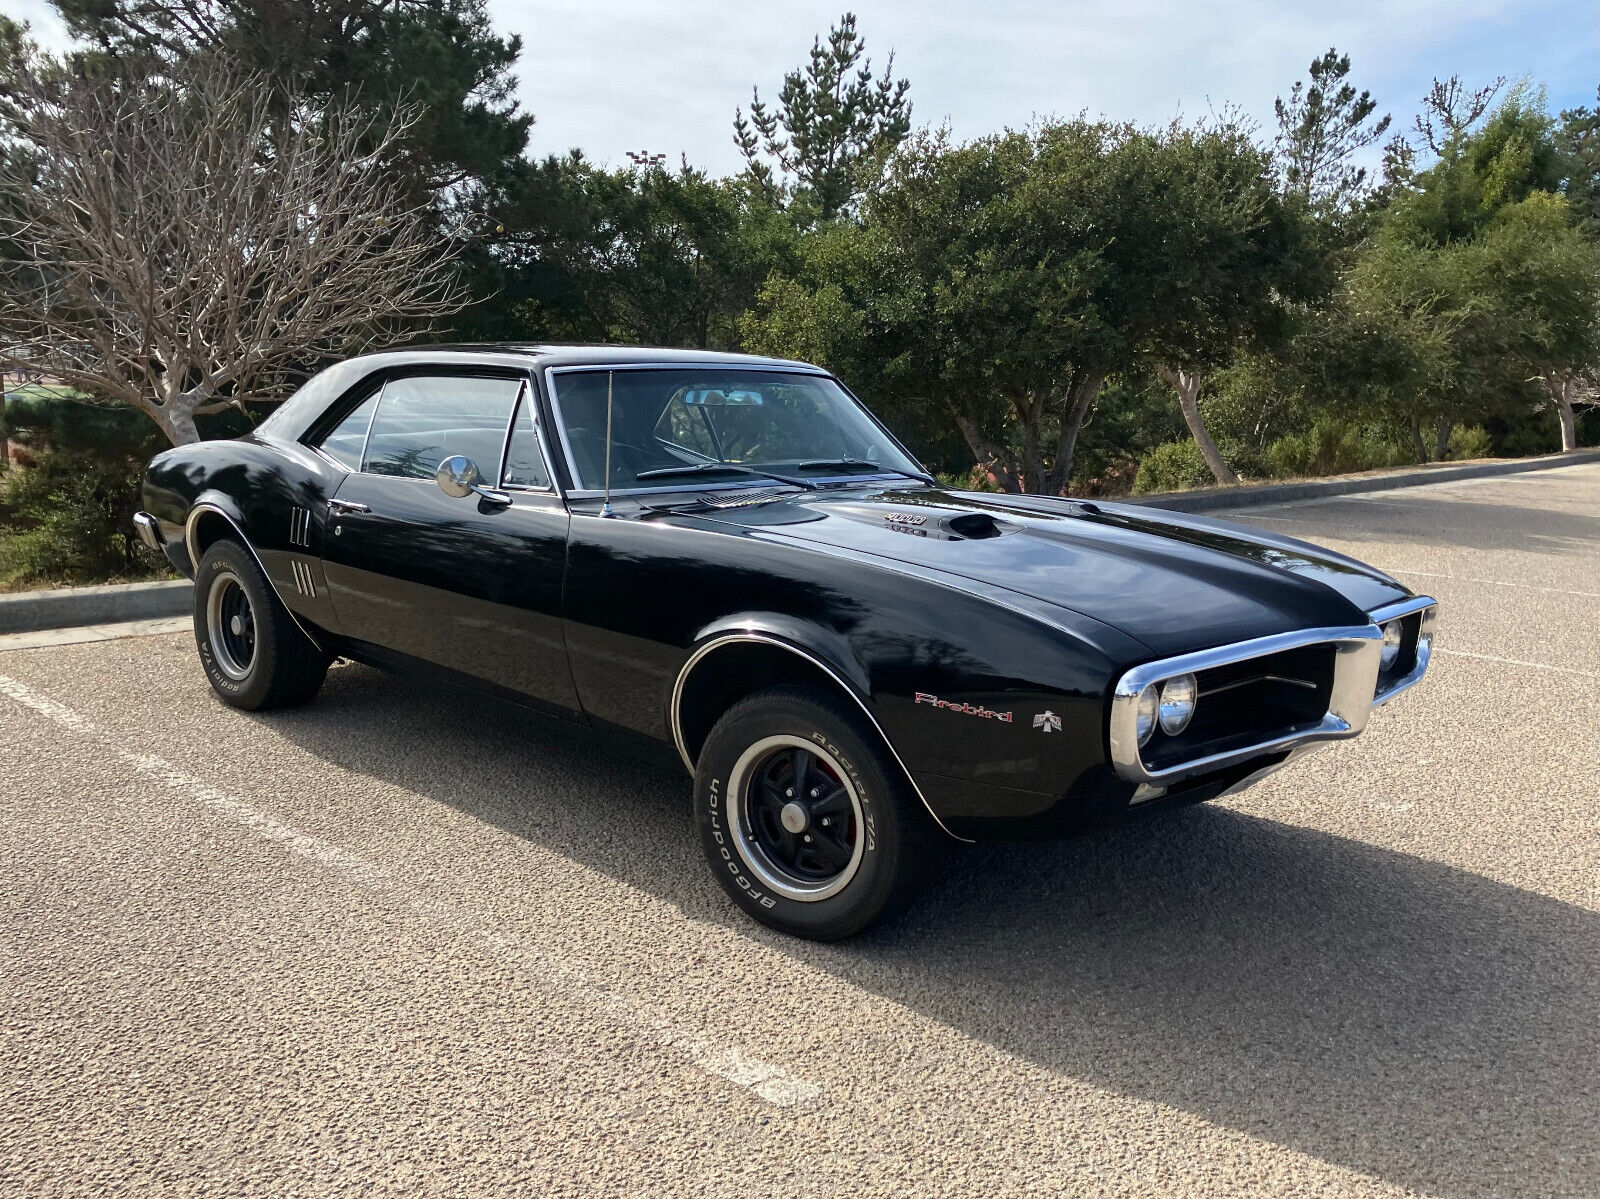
(366, 442)
(189, 525)
(1358, 655)
(505, 438)
(376, 394)
(528, 398)
(1429, 607)
(706, 647)
(586, 493)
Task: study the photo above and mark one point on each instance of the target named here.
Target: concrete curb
(1252, 496)
(73, 606)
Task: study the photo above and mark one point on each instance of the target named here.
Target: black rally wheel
(805, 819)
(253, 653)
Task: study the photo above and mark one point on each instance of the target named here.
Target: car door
(469, 586)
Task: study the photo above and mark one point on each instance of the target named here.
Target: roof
(547, 354)
(294, 416)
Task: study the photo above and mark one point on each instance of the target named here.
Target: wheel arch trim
(213, 504)
(710, 645)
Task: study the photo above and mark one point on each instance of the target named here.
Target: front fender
(821, 649)
(826, 644)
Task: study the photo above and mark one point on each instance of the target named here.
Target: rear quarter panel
(275, 495)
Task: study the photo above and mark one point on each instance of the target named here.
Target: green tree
(1481, 169)
(1226, 257)
(1323, 124)
(440, 58)
(996, 285)
(643, 255)
(1495, 326)
(832, 118)
(1578, 139)
(1485, 249)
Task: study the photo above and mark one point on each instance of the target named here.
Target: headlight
(1177, 703)
(1148, 705)
(1392, 634)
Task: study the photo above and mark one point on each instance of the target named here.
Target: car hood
(1173, 581)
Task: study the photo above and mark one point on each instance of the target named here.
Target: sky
(664, 77)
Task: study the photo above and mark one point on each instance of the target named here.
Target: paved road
(392, 944)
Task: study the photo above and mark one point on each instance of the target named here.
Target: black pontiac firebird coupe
(732, 556)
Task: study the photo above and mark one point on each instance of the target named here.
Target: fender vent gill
(304, 582)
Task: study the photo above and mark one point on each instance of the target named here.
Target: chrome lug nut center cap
(794, 818)
(237, 625)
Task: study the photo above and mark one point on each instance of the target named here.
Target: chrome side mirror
(458, 478)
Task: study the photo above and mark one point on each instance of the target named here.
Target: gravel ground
(396, 943)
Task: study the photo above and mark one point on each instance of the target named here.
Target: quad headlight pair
(1169, 703)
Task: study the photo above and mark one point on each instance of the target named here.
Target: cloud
(644, 75)
(639, 75)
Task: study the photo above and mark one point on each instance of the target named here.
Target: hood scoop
(929, 522)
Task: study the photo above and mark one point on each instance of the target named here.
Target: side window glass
(524, 463)
(349, 437)
(424, 419)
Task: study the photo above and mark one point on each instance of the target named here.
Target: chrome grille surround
(1358, 655)
(1424, 647)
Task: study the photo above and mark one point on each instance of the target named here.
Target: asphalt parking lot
(396, 943)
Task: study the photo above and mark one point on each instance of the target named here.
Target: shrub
(1332, 447)
(1470, 442)
(66, 518)
(976, 479)
(1174, 466)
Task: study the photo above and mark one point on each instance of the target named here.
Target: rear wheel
(253, 653)
(806, 821)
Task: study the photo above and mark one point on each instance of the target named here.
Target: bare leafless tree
(171, 242)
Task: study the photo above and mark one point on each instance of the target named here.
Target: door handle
(345, 507)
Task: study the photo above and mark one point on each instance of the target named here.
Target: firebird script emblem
(965, 709)
(1048, 721)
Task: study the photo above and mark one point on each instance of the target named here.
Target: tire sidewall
(867, 892)
(251, 691)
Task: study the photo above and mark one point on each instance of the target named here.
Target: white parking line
(1461, 653)
(766, 1080)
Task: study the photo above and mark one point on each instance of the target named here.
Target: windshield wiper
(704, 468)
(848, 463)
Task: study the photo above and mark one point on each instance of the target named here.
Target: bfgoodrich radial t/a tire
(254, 655)
(807, 822)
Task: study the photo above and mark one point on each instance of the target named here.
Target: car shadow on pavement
(1392, 1015)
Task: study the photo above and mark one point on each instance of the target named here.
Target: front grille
(1244, 703)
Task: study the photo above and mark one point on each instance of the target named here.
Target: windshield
(679, 427)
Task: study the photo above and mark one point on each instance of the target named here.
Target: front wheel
(806, 821)
(253, 653)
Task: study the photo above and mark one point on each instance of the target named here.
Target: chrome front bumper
(1358, 656)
